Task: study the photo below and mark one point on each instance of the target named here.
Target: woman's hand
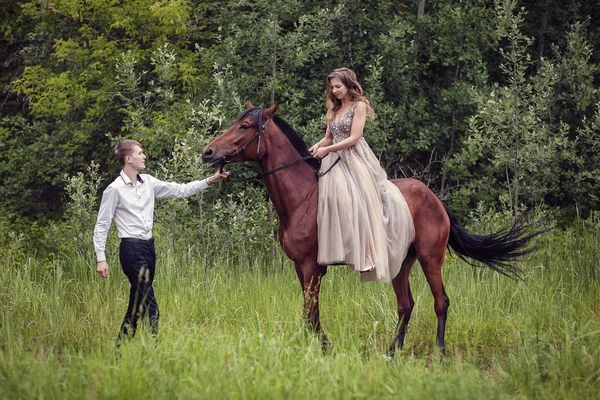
(314, 147)
(320, 153)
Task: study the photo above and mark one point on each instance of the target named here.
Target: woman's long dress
(363, 219)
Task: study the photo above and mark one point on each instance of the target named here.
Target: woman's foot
(370, 265)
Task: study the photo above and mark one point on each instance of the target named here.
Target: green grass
(238, 331)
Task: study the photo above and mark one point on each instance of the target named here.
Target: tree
(511, 133)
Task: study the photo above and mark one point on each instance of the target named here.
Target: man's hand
(217, 177)
(102, 269)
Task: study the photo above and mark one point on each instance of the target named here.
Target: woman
(363, 219)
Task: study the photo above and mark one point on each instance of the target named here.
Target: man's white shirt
(132, 206)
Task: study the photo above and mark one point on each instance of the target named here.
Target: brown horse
(291, 178)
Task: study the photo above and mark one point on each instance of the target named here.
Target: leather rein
(227, 159)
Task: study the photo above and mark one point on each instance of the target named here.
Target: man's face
(137, 158)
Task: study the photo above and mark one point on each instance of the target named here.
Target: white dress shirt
(132, 207)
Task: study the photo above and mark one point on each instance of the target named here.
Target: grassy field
(237, 331)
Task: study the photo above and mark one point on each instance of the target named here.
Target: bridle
(227, 158)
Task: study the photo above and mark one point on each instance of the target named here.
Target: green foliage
(236, 220)
(585, 177)
(481, 102)
(33, 158)
(82, 206)
(576, 104)
(512, 138)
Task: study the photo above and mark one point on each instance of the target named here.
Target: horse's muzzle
(208, 156)
(218, 162)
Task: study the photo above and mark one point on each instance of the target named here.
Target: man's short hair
(124, 148)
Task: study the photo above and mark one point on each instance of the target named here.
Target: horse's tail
(498, 250)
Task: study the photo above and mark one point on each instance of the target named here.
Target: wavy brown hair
(348, 78)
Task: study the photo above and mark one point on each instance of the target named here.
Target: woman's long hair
(348, 78)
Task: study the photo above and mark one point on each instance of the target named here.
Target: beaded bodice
(341, 130)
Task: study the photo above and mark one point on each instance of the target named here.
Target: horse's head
(241, 141)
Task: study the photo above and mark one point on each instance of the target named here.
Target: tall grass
(235, 330)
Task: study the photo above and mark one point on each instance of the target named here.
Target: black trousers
(138, 260)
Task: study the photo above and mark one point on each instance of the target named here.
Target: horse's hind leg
(405, 300)
(432, 267)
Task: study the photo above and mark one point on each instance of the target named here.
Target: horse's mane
(256, 115)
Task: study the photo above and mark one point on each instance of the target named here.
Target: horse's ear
(270, 112)
(249, 105)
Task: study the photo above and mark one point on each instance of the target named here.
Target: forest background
(493, 104)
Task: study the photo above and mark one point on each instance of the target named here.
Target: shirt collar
(128, 181)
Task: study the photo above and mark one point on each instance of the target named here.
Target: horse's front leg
(311, 284)
(405, 302)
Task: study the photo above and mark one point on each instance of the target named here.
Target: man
(129, 201)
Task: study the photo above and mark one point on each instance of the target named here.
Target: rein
(258, 135)
(232, 175)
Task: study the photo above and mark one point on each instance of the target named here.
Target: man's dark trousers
(138, 261)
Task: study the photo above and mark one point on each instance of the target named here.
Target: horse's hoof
(326, 345)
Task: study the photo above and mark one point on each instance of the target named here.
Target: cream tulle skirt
(363, 219)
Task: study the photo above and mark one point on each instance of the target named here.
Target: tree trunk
(274, 71)
(516, 183)
(516, 143)
(454, 127)
(421, 9)
(543, 30)
(274, 64)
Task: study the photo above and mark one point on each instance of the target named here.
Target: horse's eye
(244, 127)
